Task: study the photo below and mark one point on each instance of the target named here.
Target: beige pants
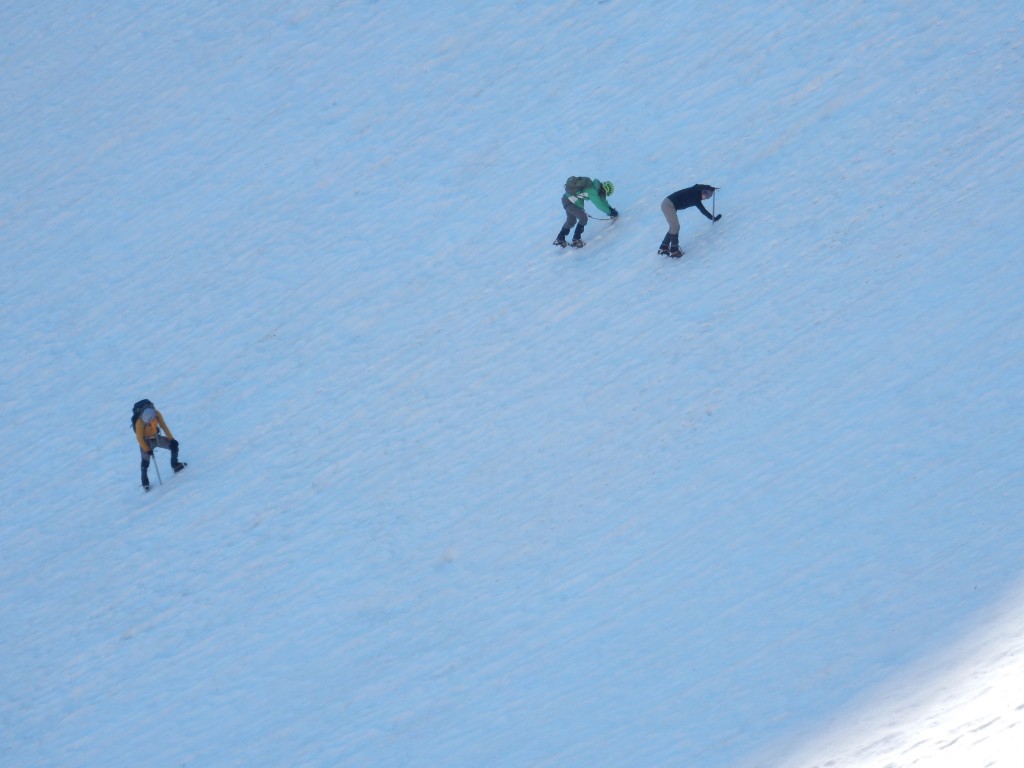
(670, 216)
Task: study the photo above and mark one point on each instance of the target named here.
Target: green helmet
(608, 187)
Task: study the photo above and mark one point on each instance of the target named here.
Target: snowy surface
(458, 498)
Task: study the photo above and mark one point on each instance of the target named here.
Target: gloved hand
(614, 214)
(174, 445)
(717, 217)
(148, 455)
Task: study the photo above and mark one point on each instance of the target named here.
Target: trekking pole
(714, 197)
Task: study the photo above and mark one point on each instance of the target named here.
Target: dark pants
(159, 441)
(574, 215)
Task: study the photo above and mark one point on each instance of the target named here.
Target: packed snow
(457, 497)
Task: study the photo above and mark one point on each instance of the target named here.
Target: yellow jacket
(144, 430)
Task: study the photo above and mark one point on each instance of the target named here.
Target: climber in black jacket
(677, 201)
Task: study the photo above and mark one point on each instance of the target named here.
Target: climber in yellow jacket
(147, 422)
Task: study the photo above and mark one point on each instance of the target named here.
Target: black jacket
(690, 197)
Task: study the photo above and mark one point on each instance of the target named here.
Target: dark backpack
(138, 408)
(576, 184)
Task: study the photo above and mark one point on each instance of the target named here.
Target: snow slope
(458, 498)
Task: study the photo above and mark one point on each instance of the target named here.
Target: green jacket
(594, 193)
